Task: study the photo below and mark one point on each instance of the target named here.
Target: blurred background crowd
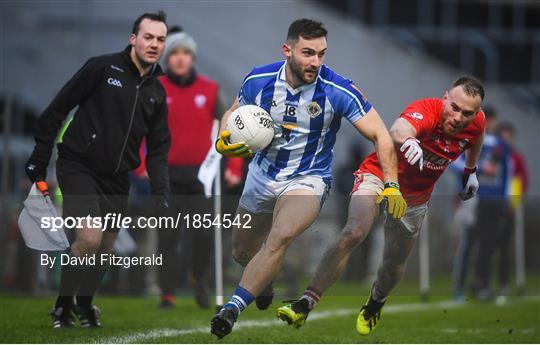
(396, 51)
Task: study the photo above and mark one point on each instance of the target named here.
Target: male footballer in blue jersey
(288, 181)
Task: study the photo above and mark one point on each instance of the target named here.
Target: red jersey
(439, 149)
(192, 110)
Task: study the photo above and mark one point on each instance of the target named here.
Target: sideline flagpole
(423, 253)
(218, 249)
(210, 176)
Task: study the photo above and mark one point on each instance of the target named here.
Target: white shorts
(412, 220)
(261, 192)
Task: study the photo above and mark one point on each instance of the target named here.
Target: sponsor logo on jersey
(314, 109)
(416, 116)
(447, 144)
(291, 103)
(286, 130)
(434, 162)
(114, 82)
(200, 100)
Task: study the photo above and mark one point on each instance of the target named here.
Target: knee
(241, 254)
(107, 245)
(350, 238)
(88, 245)
(279, 240)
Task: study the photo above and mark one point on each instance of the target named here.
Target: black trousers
(495, 225)
(186, 250)
(86, 193)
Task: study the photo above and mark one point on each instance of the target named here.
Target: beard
(449, 129)
(142, 60)
(299, 72)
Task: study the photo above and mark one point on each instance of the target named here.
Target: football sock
(70, 279)
(89, 284)
(376, 297)
(240, 299)
(312, 295)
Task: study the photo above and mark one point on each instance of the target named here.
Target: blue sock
(240, 299)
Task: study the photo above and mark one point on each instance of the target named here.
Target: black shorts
(86, 193)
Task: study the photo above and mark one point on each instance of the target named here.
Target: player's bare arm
(373, 128)
(404, 135)
(402, 130)
(227, 114)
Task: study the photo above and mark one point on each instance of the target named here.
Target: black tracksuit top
(116, 109)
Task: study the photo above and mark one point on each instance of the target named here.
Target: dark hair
(174, 29)
(306, 28)
(472, 86)
(505, 126)
(489, 112)
(158, 16)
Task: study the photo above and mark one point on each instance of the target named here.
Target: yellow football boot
(295, 313)
(369, 317)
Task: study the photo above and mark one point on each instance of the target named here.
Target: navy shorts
(85, 193)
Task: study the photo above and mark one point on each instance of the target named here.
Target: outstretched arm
(404, 135)
(373, 128)
(401, 131)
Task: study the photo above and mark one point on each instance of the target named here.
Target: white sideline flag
(124, 245)
(35, 232)
(209, 169)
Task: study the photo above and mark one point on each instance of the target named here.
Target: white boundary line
(144, 337)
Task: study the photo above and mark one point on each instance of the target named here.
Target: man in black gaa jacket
(119, 101)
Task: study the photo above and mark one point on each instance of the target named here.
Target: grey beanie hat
(178, 40)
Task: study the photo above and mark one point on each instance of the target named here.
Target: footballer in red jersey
(429, 134)
(433, 146)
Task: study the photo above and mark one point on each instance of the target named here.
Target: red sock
(312, 295)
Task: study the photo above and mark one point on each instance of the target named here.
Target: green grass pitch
(405, 320)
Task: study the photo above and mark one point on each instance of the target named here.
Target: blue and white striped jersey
(306, 119)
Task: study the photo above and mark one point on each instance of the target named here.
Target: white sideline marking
(480, 331)
(142, 337)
